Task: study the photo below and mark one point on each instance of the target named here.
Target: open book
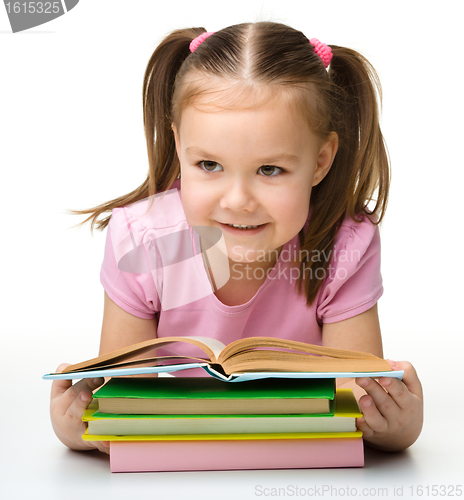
(243, 359)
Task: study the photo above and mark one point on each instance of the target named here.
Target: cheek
(195, 204)
(187, 199)
(293, 209)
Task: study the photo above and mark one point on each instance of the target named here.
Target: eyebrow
(267, 160)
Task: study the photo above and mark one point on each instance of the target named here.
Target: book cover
(234, 377)
(224, 437)
(157, 456)
(200, 395)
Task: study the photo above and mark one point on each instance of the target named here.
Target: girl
(273, 159)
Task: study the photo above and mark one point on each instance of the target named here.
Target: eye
(270, 170)
(210, 166)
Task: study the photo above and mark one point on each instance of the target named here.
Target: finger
(363, 426)
(59, 387)
(75, 410)
(383, 402)
(410, 378)
(371, 415)
(104, 446)
(62, 367)
(397, 390)
(87, 385)
(381, 398)
(67, 419)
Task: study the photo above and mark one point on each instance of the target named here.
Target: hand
(67, 405)
(392, 409)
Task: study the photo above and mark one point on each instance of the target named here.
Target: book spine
(161, 456)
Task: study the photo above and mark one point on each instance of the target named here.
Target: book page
(215, 345)
(210, 347)
(284, 345)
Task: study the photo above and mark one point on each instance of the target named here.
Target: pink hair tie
(322, 50)
(196, 42)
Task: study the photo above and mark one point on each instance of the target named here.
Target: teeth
(240, 226)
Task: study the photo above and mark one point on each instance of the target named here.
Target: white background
(72, 137)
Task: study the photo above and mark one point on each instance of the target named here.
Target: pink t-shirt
(161, 274)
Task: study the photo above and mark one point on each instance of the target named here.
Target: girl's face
(250, 167)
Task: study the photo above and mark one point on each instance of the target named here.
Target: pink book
(157, 456)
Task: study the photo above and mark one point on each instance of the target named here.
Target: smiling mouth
(242, 226)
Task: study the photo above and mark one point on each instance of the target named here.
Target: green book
(204, 395)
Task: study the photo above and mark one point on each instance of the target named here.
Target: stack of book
(186, 424)
(269, 404)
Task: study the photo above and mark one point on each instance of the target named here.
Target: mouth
(243, 228)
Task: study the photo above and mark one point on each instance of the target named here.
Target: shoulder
(353, 283)
(159, 212)
(356, 247)
(358, 235)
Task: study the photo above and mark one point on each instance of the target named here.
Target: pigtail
(360, 167)
(362, 145)
(158, 87)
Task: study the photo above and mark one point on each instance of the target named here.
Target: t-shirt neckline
(269, 278)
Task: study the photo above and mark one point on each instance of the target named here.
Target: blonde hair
(342, 100)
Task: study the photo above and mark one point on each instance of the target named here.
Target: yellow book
(201, 427)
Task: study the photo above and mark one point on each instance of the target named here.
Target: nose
(239, 196)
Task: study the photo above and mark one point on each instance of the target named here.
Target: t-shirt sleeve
(133, 292)
(354, 282)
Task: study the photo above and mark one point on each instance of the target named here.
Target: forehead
(257, 128)
(212, 94)
(258, 118)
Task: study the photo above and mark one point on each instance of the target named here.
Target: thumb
(410, 378)
(60, 386)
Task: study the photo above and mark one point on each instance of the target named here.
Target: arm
(120, 329)
(68, 402)
(392, 409)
